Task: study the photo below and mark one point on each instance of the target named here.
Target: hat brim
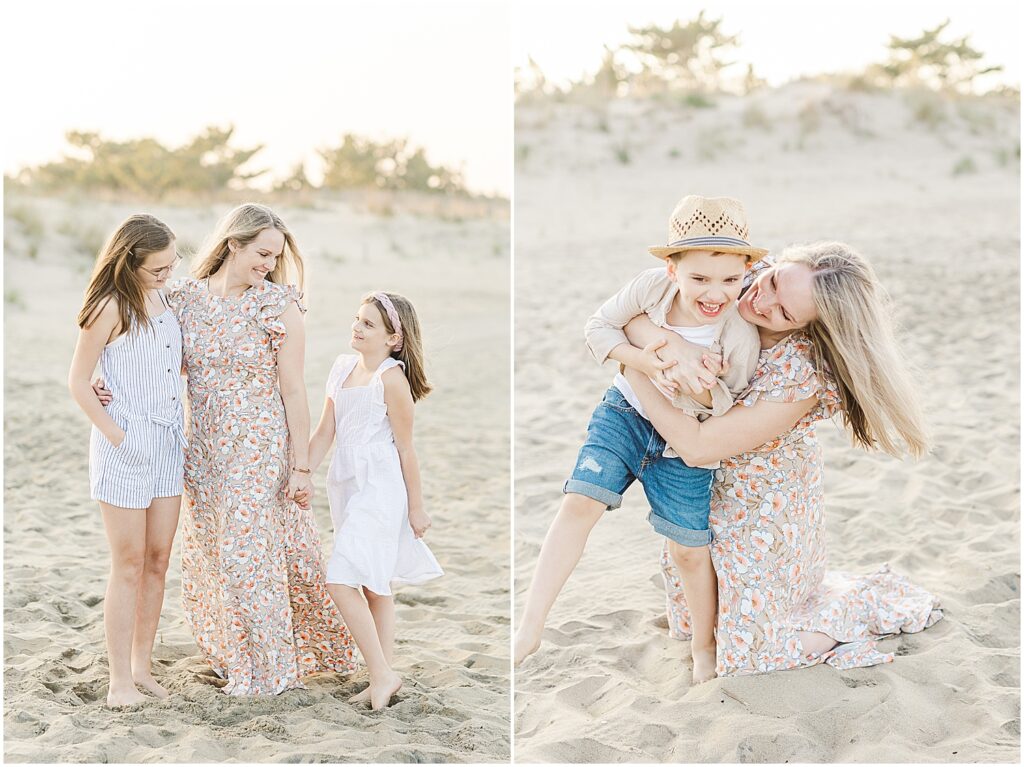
(754, 254)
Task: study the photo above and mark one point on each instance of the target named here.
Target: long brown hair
(243, 225)
(854, 336)
(412, 341)
(116, 272)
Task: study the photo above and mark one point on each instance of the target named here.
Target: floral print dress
(767, 514)
(252, 576)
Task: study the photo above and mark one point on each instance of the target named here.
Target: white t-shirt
(703, 335)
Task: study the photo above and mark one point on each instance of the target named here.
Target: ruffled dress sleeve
(787, 373)
(271, 300)
(378, 406)
(178, 293)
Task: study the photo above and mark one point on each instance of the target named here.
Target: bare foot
(124, 696)
(526, 644)
(380, 694)
(361, 697)
(149, 684)
(703, 664)
(815, 643)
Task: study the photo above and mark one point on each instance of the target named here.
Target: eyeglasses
(164, 271)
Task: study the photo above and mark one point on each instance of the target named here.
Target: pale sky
(293, 75)
(782, 38)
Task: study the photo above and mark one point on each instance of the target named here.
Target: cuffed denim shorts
(623, 446)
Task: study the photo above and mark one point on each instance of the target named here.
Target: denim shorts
(623, 446)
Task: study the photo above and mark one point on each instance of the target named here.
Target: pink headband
(392, 315)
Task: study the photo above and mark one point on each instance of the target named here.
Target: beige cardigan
(652, 292)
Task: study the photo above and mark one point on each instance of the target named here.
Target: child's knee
(688, 557)
(583, 507)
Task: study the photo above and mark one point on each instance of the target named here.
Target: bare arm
(695, 368)
(323, 437)
(398, 398)
(291, 359)
(741, 429)
(91, 341)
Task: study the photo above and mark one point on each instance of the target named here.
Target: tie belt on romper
(173, 423)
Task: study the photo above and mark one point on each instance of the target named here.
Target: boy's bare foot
(380, 694)
(361, 697)
(148, 683)
(526, 644)
(704, 661)
(124, 696)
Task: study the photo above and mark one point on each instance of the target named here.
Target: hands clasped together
(680, 367)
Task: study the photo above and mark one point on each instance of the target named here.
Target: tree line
(695, 57)
(208, 164)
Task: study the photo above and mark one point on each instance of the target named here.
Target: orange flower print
(769, 548)
(233, 552)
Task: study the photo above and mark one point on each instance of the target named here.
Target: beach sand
(928, 189)
(452, 261)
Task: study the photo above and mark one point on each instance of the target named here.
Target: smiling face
(156, 268)
(253, 261)
(781, 299)
(708, 283)
(368, 332)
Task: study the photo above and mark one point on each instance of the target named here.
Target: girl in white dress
(373, 483)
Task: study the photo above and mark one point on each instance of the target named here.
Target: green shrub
(964, 166)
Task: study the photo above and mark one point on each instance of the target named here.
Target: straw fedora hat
(708, 223)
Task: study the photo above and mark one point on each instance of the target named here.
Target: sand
(935, 207)
(452, 648)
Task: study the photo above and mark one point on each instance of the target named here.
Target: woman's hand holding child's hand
(300, 489)
(419, 520)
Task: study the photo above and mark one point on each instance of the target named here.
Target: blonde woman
(827, 347)
(252, 571)
(135, 452)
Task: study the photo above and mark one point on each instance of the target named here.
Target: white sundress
(374, 545)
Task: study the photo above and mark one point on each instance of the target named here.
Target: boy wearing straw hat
(694, 295)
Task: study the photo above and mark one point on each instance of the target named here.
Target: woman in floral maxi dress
(779, 605)
(252, 566)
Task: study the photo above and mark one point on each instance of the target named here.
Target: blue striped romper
(142, 369)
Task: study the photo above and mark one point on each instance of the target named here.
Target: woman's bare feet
(361, 697)
(380, 694)
(149, 684)
(704, 661)
(527, 642)
(126, 695)
(815, 643)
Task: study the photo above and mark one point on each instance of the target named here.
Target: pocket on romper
(127, 451)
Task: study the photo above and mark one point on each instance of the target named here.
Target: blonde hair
(853, 335)
(412, 341)
(115, 274)
(243, 225)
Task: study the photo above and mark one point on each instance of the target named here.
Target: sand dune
(452, 633)
(935, 207)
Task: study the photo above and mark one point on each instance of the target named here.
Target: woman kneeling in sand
(827, 347)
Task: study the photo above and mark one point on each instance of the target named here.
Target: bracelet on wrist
(303, 471)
